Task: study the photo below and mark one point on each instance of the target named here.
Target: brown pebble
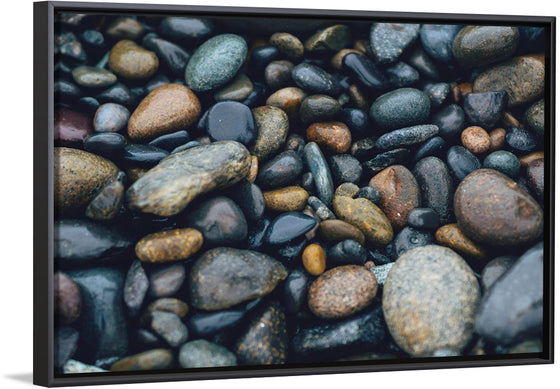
(148, 360)
(336, 60)
(129, 60)
(451, 236)
(475, 139)
(347, 189)
(361, 46)
(171, 245)
(314, 259)
(358, 97)
(125, 28)
(465, 88)
(287, 44)
(497, 139)
(288, 100)
(253, 169)
(67, 300)
(334, 137)
(508, 120)
(456, 94)
(335, 230)
(525, 160)
(135, 173)
(535, 177)
(369, 265)
(169, 304)
(291, 198)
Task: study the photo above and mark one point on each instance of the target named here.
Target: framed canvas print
(246, 192)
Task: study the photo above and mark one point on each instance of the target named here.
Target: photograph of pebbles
(235, 191)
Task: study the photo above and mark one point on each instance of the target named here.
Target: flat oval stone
(338, 230)
(313, 79)
(215, 62)
(167, 281)
(400, 108)
(169, 304)
(66, 91)
(172, 56)
(521, 77)
(504, 162)
(436, 186)
(430, 298)
(291, 198)
(78, 176)
(406, 136)
(314, 259)
(485, 109)
(170, 245)
(287, 44)
(210, 323)
(317, 108)
(171, 141)
(110, 117)
(231, 120)
(476, 139)
(272, 129)
(365, 71)
(188, 173)
(93, 77)
(167, 109)
(492, 209)
(202, 353)
(287, 99)
(287, 227)
(399, 194)
(129, 60)
(483, 45)
(220, 220)
(224, 277)
(67, 300)
(534, 117)
(409, 238)
(70, 127)
(461, 161)
(342, 291)
(125, 28)
(345, 168)
(451, 236)
(389, 40)
(333, 137)
(186, 30)
(280, 171)
(450, 121)
(143, 155)
(136, 285)
(321, 173)
(437, 40)
(148, 360)
(366, 216)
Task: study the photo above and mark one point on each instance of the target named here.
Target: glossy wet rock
(170, 245)
(313, 79)
(107, 203)
(287, 99)
(272, 128)
(504, 162)
(148, 360)
(406, 136)
(347, 252)
(437, 40)
(461, 161)
(171, 141)
(401, 74)
(436, 186)
(534, 117)
(287, 227)
(202, 353)
(333, 137)
(278, 74)
(485, 109)
(110, 117)
(237, 90)
(141, 155)
(172, 56)
(400, 108)
(321, 174)
(423, 218)
(70, 127)
(231, 121)
(136, 286)
(389, 40)
(209, 323)
(314, 259)
(338, 230)
(483, 45)
(317, 108)
(129, 60)
(282, 170)
(287, 44)
(365, 71)
(93, 77)
(291, 198)
(67, 300)
(450, 121)
(451, 236)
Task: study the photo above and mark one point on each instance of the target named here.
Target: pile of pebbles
(233, 192)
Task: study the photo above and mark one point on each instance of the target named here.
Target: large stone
(482, 45)
(129, 60)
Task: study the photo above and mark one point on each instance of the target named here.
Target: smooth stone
(265, 341)
(168, 326)
(78, 176)
(406, 136)
(220, 220)
(483, 45)
(67, 300)
(401, 74)
(430, 298)
(249, 198)
(476, 139)
(171, 141)
(169, 304)
(333, 137)
(321, 173)
(365, 71)
(423, 218)
(296, 143)
(136, 285)
(287, 44)
(525, 160)
(521, 141)
(205, 324)
(287, 99)
(77, 367)
(338, 230)
(169, 245)
(215, 62)
(68, 46)
(224, 277)
(342, 291)
(494, 270)
(172, 56)
(288, 227)
(186, 30)
(131, 61)
(202, 353)
(291, 198)
(436, 186)
(93, 77)
(364, 331)
(125, 28)
(409, 238)
(272, 128)
(398, 156)
(450, 121)
(156, 359)
(461, 161)
(507, 76)
(110, 117)
(65, 345)
(535, 178)
(154, 83)
(295, 291)
(347, 189)
(231, 121)
(485, 109)
(492, 209)
(107, 203)
(189, 174)
(451, 236)
(504, 162)
(366, 216)
(332, 38)
(143, 155)
(370, 193)
(314, 259)
(438, 93)
(88, 105)
(103, 327)
(356, 120)
(66, 92)
(94, 42)
(166, 281)
(497, 139)
(318, 108)
(381, 272)
(347, 252)
(186, 146)
(320, 209)
(345, 168)
(435, 146)
(280, 171)
(423, 64)
(437, 40)
(70, 127)
(166, 109)
(400, 108)
(278, 74)
(260, 58)
(512, 308)
(118, 94)
(534, 117)
(238, 89)
(389, 40)
(315, 80)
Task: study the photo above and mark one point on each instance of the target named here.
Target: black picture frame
(43, 372)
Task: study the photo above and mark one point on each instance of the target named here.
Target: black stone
(401, 74)
(345, 168)
(485, 109)
(436, 186)
(88, 105)
(347, 252)
(119, 94)
(321, 173)
(423, 218)
(66, 91)
(406, 136)
(231, 120)
(260, 58)
(105, 144)
(185, 30)
(171, 141)
(423, 63)
(357, 121)
(364, 148)
(143, 155)
(280, 171)
(450, 121)
(257, 95)
(173, 57)
(370, 193)
(437, 40)
(313, 79)
(435, 146)
(320, 209)
(318, 108)
(295, 291)
(461, 161)
(288, 227)
(257, 231)
(520, 141)
(409, 238)
(250, 199)
(399, 156)
(203, 324)
(438, 93)
(365, 71)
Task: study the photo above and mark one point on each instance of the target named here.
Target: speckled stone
(504, 162)
(485, 109)
(265, 342)
(67, 300)
(148, 360)
(401, 74)
(520, 141)
(224, 277)
(202, 353)
(314, 259)
(436, 186)
(398, 156)
(287, 99)
(483, 45)
(345, 168)
(522, 78)
(78, 176)
(451, 236)
(170, 245)
(333, 137)
(167, 280)
(93, 77)
(125, 28)
(475, 139)
(136, 285)
(338, 230)
(342, 291)
(108, 201)
(167, 109)
(347, 189)
(535, 178)
(313, 79)
(406, 136)
(317, 108)
(272, 129)
(494, 270)
(492, 209)
(332, 38)
(110, 117)
(400, 108)
(189, 173)
(389, 40)
(169, 304)
(129, 60)
(366, 216)
(291, 198)
(534, 117)
(287, 44)
(437, 40)
(429, 301)
(321, 173)
(320, 209)
(215, 62)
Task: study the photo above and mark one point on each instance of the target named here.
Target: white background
(16, 207)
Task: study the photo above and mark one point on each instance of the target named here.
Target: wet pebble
(143, 155)
(70, 127)
(287, 227)
(437, 41)
(287, 44)
(423, 218)
(291, 198)
(333, 137)
(475, 139)
(313, 79)
(129, 60)
(436, 186)
(400, 108)
(93, 77)
(504, 162)
(317, 108)
(451, 236)
(166, 281)
(281, 170)
(231, 120)
(148, 360)
(172, 56)
(401, 74)
(339, 230)
(461, 161)
(202, 353)
(519, 140)
(450, 121)
(483, 45)
(409, 238)
(321, 173)
(314, 259)
(365, 71)
(485, 109)
(389, 40)
(278, 74)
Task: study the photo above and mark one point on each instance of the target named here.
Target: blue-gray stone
(400, 108)
(436, 186)
(321, 173)
(437, 93)
(450, 121)
(389, 40)
(110, 117)
(461, 161)
(504, 162)
(437, 40)
(313, 79)
(485, 109)
(409, 238)
(406, 136)
(401, 74)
